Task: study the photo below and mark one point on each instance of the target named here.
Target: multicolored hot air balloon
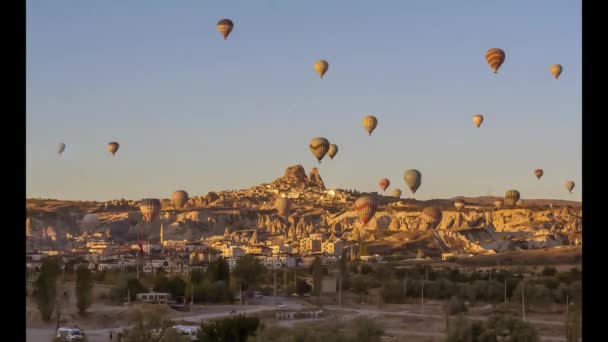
(570, 186)
(369, 123)
(477, 120)
(384, 184)
(283, 205)
(397, 193)
(366, 207)
(225, 26)
(61, 148)
(113, 147)
(333, 150)
(150, 208)
(556, 70)
(511, 197)
(498, 203)
(495, 57)
(433, 215)
(319, 147)
(459, 203)
(321, 67)
(413, 179)
(538, 173)
(179, 199)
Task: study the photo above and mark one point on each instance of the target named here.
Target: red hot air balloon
(384, 183)
(366, 207)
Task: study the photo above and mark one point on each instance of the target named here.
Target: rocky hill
(398, 224)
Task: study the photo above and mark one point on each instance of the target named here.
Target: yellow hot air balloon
(556, 70)
(477, 119)
(321, 67)
(369, 123)
(113, 147)
(570, 186)
(333, 150)
(495, 57)
(225, 26)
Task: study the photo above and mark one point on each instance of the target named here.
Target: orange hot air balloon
(366, 207)
(477, 120)
(384, 183)
(556, 70)
(495, 57)
(538, 173)
(113, 147)
(321, 67)
(369, 123)
(225, 26)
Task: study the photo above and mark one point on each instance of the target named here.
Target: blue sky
(192, 111)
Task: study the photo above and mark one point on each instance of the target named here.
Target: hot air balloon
(511, 197)
(283, 205)
(397, 193)
(90, 221)
(495, 57)
(369, 123)
(538, 173)
(333, 150)
(570, 185)
(150, 208)
(225, 26)
(519, 202)
(60, 148)
(432, 215)
(319, 147)
(366, 207)
(179, 199)
(413, 179)
(459, 203)
(556, 70)
(384, 183)
(498, 203)
(321, 67)
(477, 120)
(113, 147)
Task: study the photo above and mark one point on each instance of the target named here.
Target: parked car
(70, 334)
(187, 330)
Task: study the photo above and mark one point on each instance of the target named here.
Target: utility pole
(505, 290)
(340, 290)
(422, 298)
(191, 293)
(240, 295)
(137, 264)
(274, 287)
(523, 301)
(567, 302)
(405, 286)
(285, 282)
(128, 296)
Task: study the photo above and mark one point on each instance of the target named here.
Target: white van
(70, 334)
(187, 330)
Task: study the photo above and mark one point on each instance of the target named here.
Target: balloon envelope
(333, 150)
(556, 70)
(366, 208)
(321, 67)
(570, 186)
(413, 179)
(150, 208)
(179, 199)
(511, 197)
(495, 57)
(538, 173)
(224, 27)
(477, 119)
(60, 148)
(113, 147)
(397, 193)
(369, 123)
(384, 184)
(283, 205)
(319, 147)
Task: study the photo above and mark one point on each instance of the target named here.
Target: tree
(45, 290)
(504, 327)
(161, 282)
(317, 276)
(150, 328)
(218, 270)
(455, 306)
(84, 289)
(231, 329)
(196, 276)
(573, 322)
(549, 271)
(248, 271)
(176, 286)
(367, 330)
(302, 287)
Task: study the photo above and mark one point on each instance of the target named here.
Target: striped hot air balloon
(556, 70)
(495, 57)
(366, 208)
(321, 67)
(150, 208)
(319, 147)
(477, 120)
(224, 27)
(538, 173)
(369, 123)
(113, 147)
(333, 150)
(511, 197)
(413, 179)
(179, 199)
(384, 184)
